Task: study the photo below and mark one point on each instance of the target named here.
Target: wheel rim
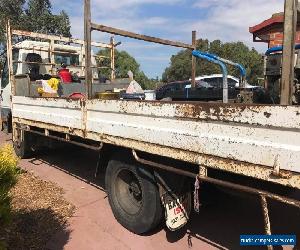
(128, 191)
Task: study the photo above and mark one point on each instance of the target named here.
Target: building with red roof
(271, 31)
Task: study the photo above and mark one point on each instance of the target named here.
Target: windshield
(4, 74)
(4, 70)
(15, 58)
(70, 60)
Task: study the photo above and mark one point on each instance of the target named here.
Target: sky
(227, 20)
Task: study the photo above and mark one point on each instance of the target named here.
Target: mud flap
(177, 210)
(176, 199)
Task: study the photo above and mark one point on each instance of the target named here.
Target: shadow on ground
(223, 216)
(33, 230)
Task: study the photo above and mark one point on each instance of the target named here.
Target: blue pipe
(278, 49)
(199, 54)
(242, 70)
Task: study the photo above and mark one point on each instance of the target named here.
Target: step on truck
(157, 154)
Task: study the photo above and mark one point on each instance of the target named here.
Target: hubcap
(128, 191)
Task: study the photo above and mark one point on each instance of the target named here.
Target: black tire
(133, 196)
(23, 147)
(7, 124)
(5, 127)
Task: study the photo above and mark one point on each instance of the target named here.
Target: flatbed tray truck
(149, 145)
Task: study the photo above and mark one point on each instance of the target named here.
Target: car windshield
(215, 82)
(203, 84)
(232, 83)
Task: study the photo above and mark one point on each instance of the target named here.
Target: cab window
(15, 55)
(4, 70)
(70, 60)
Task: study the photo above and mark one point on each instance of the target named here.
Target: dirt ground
(222, 219)
(38, 211)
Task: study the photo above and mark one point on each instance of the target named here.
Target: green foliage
(180, 66)
(123, 63)
(32, 15)
(3, 245)
(39, 18)
(8, 177)
(10, 9)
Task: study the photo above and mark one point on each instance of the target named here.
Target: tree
(123, 63)
(31, 15)
(39, 18)
(181, 64)
(13, 10)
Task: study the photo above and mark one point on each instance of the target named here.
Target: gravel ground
(38, 211)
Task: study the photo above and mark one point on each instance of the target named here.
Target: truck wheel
(133, 196)
(22, 146)
(5, 127)
(7, 124)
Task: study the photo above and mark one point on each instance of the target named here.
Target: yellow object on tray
(53, 83)
(107, 95)
(49, 88)
(49, 94)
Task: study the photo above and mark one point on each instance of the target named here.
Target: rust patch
(210, 111)
(267, 114)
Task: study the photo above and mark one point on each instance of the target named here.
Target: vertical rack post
(52, 59)
(82, 49)
(112, 57)
(10, 57)
(193, 60)
(288, 55)
(88, 47)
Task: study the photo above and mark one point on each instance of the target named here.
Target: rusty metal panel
(286, 178)
(251, 139)
(266, 136)
(286, 117)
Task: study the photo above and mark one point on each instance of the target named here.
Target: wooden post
(288, 55)
(88, 48)
(112, 58)
(9, 52)
(194, 60)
